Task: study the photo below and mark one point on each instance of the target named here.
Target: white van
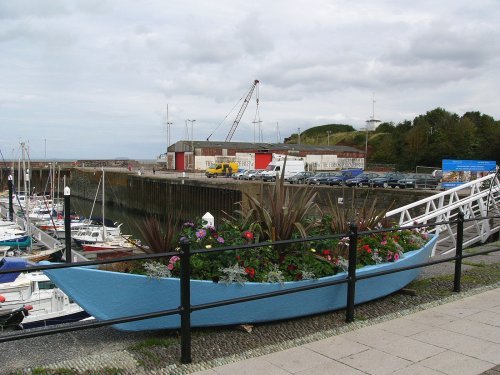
(275, 168)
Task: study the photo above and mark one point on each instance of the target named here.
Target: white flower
(275, 275)
(156, 270)
(308, 275)
(376, 257)
(343, 263)
(233, 274)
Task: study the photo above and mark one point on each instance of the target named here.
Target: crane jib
(242, 110)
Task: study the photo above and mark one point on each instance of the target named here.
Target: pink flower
(396, 256)
(174, 259)
(170, 266)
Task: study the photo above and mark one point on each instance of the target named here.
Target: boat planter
(109, 295)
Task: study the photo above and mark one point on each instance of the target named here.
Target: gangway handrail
(454, 205)
(443, 194)
(479, 200)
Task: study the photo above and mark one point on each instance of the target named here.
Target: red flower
(298, 276)
(326, 252)
(367, 248)
(292, 267)
(238, 258)
(250, 272)
(247, 235)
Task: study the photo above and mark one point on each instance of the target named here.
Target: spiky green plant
(368, 217)
(284, 215)
(159, 238)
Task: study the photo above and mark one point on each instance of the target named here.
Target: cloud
(110, 68)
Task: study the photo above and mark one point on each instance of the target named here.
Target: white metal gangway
(476, 199)
(41, 236)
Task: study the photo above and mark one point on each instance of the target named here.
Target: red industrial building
(198, 155)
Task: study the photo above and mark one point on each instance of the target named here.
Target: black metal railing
(185, 309)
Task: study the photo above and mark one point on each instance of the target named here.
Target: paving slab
(455, 338)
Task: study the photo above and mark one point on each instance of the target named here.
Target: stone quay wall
(192, 197)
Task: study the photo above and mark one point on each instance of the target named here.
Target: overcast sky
(92, 79)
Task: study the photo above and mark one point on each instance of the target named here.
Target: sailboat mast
(27, 188)
(103, 225)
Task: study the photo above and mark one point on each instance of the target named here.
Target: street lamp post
(168, 129)
(366, 146)
(328, 132)
(370, 125)
(298, 133)
(192, 142)
(168, 133)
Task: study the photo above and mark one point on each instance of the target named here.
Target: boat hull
(54, 319)
(109, 295)
(23, 241)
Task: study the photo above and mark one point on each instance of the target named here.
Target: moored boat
(108, 295)
(49, 305)
(122, 244)
(16, 240)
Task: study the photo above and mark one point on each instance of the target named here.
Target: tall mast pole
(103, 224)
(168, 130)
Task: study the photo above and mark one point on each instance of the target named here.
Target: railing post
(67, 222)
(351, 272)
(458, 254)
(185, 290)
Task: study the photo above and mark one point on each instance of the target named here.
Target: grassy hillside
(339, 134)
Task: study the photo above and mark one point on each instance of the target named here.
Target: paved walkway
(460, 337)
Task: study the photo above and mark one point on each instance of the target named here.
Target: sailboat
(106, 237)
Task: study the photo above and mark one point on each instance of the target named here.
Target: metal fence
(185, 309)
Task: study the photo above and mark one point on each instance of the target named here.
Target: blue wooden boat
(109, 295)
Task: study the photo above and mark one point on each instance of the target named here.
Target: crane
(242, 110)
(240, 113)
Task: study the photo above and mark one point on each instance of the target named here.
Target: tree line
(425, 141)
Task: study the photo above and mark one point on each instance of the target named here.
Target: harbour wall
(190, 198)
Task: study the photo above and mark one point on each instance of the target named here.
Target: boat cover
(10, 263)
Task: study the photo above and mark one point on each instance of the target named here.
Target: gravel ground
(108, 351)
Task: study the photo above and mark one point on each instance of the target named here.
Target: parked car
(250, 174)
(344, 175)
(419, 181)
(299, 178)
(236, 176)
(362, 179)
(388, 180)
(259, 174)
(244, 175)
(321, 178)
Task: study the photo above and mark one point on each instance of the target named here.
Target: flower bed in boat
(273, 263)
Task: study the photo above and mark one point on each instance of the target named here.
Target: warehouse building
(198, 155)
